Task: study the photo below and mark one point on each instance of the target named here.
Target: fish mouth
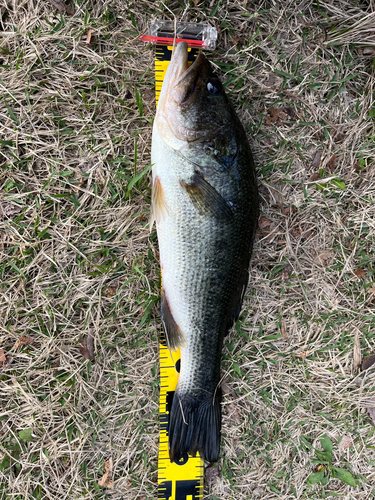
(183, 87)
(186, 81)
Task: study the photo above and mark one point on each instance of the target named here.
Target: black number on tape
(183, 490)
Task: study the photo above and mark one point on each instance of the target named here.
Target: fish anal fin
(205, 197)
(174, 335)
(159, 207)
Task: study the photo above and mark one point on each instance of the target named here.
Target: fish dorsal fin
(175, 337)
(159, 208)
(205, 197)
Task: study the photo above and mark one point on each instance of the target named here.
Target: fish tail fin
(195, 425)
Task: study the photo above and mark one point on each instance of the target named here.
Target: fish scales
(205, 205)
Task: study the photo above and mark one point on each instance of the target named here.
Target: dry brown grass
(76, 257)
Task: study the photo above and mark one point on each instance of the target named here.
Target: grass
(77, 258)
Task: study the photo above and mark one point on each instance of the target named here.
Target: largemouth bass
(205, 204)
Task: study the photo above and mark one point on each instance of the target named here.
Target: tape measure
(183, 479)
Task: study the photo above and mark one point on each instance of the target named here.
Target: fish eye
(214, 86)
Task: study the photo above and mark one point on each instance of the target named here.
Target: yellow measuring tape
(182, 480)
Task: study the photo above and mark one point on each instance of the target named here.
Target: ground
(79, 266)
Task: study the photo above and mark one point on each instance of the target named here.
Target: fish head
(193, 107)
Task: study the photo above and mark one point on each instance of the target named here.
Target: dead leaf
(99, 177)
(89, 34)
(303, 355)
(227, 389)
(316, 160)
(3, 239)
(260, 492)
(371, 410)
(371, 290)
(306, 234)
(233, 411)
(360, 273)
(331, 163)
(264, 223)
(212, 476)
(149, 97)
(323, 257)
(277, 115)
(357, 166)
(87, 347)
(62, 7)
(3, 358)
(23, 340)
(111, 291)
(284, 330)
(9, 209)
(276, 196)
(281, 243)
(345, 443)
(285, 273)
(273, 80)
(368, 362)
(339, 135)
(295, 231)
(314, 177)
(196, 2)
(290, 112)
(357, 355)
(87, 165)
(368, 51)
(106, 480)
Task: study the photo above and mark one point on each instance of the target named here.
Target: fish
(205, 205)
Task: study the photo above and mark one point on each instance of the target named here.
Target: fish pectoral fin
(159, 207)
(205, 197)
(173, 333)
